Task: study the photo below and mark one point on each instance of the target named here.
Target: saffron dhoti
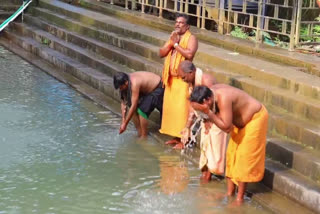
(246, 150)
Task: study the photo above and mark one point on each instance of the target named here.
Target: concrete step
(92, 77)
(129, 58)
(8, 8)
(295, 156)
(264, 196)
(142, 48)
(89, 52)
(290, 183)
(290, 78)
(227, 42)
(11, 2)
(5, 15)
(294, 129)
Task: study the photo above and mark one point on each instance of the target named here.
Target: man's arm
(133, 107)
(224, 118)
(191, 49)
(123, 111)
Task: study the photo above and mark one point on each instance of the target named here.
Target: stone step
(5, 15)
(114, 53)
(292, 79)
(9, 8)
(290, 183)
(227, 42)
(11, 2)
(263, 195)
(89, 52)
(294, 156)
(144, 49)
(295, 129)
(92, 77)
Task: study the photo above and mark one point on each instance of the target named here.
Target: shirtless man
(180, 46)
(246, 120)
(213, 140)
(142, 92)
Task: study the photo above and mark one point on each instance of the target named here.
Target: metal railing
(280, 18)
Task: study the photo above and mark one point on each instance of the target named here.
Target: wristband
(175, 45)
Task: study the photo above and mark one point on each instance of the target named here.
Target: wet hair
(119, 79)
(186, 17)
(187, 66)
(200, 93)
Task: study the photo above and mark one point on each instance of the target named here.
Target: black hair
(200, 93)
(119, 79)
(186, 17)
(187, 66)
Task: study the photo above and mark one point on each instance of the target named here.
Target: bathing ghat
(84, 44)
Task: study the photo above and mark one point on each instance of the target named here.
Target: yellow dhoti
(213, 149)
(175, 99)
(246, 150)
(175, 107)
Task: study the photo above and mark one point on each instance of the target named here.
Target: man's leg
(143, 126)
(136, 122)
(206, 174)
(230, 186)
(241, 190)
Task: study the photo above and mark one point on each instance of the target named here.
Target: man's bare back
(235, 104)
(144, 82)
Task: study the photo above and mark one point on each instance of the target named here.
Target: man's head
(121, 81)
(182, 24)
(187, 71)
(200, 97)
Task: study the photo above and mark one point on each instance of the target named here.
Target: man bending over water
(141, 92)
(246, 119)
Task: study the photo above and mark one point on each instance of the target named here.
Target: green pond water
(61, 153)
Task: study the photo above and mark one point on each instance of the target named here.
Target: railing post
(142, 6)
(203, 15)
(161, 8)
(258, 33)
(221, 16)
(133, 4)
(298, 23)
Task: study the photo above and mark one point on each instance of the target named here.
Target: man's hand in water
(123, 127)
(185, 134)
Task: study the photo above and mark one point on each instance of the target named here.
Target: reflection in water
(60, 153)
(174, 175)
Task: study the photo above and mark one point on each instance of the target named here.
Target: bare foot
(179, 146)
(205, 177)
(173, 141)
(236, 203)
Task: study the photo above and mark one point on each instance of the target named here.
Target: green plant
(238, 32)
(45, 41)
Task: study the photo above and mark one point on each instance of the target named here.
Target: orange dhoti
(175, 107)
(213, 149)
(247, 148)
